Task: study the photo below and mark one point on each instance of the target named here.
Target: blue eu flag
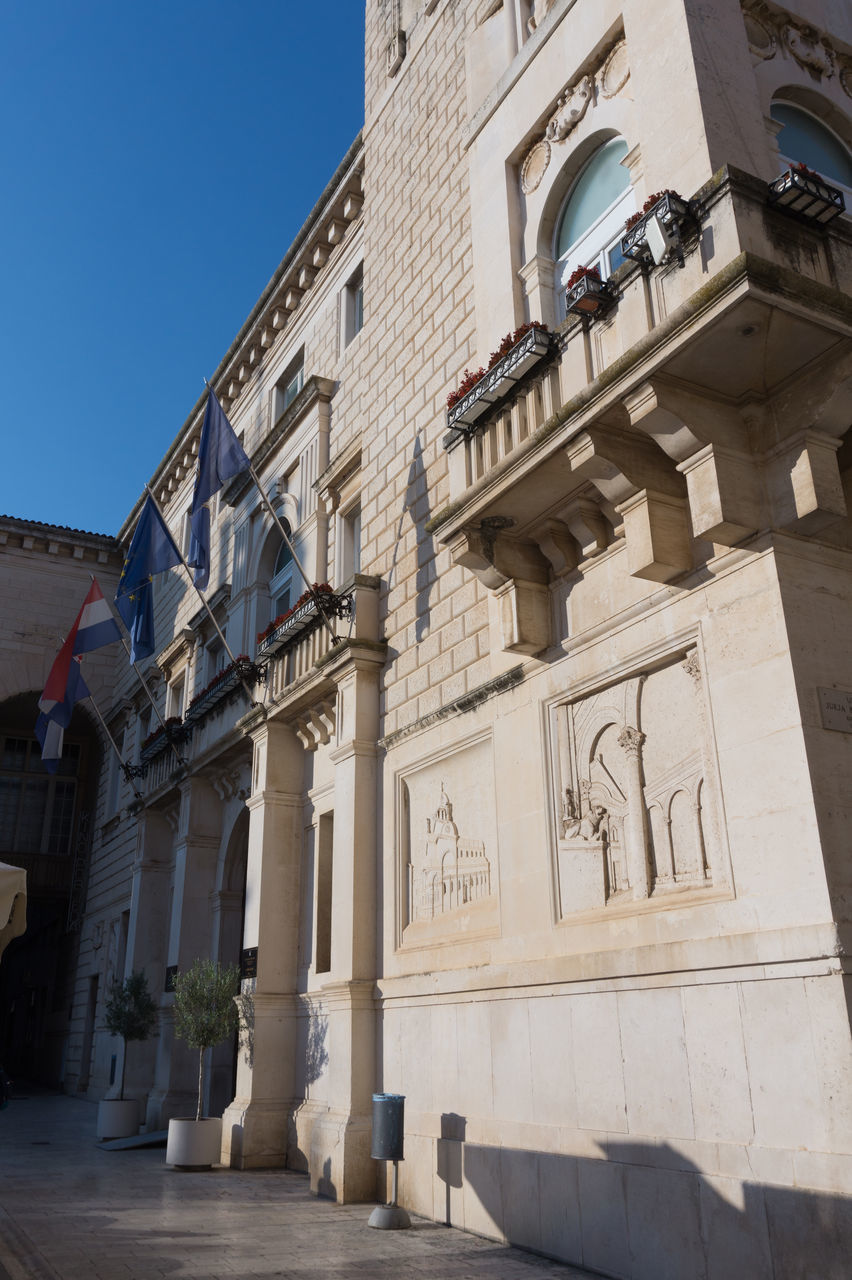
(151, 551)
(220, 458)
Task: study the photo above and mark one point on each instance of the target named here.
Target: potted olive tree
(205, 1015)
(131, 1013)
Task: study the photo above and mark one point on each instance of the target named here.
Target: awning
(13, 903)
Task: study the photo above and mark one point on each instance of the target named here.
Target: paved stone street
(70, 1211)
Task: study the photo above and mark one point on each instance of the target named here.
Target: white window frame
(353, 306)
(790, 161)
(288, 386)
(598, 245)
(281, 581)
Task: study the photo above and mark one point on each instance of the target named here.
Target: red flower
(648, 205)
(319, 588)
(469, 380)
(580, 274)
(808, 173)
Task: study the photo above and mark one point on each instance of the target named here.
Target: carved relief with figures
(637, 810)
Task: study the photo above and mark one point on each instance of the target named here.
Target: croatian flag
(56, 715)
(93, 627)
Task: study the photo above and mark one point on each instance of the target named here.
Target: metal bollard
(387, 1144)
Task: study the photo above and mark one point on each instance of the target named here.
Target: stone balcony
(707, 404)
(288, 681)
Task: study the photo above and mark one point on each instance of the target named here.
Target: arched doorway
(231, 905)
(45, 827)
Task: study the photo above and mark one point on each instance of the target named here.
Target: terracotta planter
(194, 1144)
(117, 1118)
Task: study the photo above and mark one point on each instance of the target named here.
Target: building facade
(547, 828)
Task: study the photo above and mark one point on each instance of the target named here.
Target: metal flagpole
(124, 767)
(285, 535)
(202, 598)
(144, 683)
(297, 562)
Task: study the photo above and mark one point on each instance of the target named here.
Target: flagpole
(284, 534)
(201, 596)
(125, 768)
(144, 683)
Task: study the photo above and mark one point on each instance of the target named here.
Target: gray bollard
(387, 1144)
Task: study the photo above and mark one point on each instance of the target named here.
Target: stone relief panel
(637, 813)
(770, 29)
(448, 836)
(605, 80)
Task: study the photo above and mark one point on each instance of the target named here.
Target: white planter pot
(117, 1118)
(194, 1144)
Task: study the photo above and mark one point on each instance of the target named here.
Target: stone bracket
(709, 443)
(636, 476)
(517, 573)
(805, 483)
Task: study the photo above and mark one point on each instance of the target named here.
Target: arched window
(281, 583)
(590, 227)
(804, 139)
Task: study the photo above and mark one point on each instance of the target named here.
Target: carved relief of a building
(454, 872)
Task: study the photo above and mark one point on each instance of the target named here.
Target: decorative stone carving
(760, 36)
(229, 785)
(454, 871)
(615, 72)
(692, 665)
(645, 824)
(541, 8)
(606, 79)
(809, 50)
(316, 725)
(533, 168)
(570, 109)
(448, 848)
(845, 78)
(767, 27)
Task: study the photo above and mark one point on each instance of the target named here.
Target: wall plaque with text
(836, 709)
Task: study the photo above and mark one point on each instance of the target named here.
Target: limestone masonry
(553, 838)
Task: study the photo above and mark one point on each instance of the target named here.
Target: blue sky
(157, 160)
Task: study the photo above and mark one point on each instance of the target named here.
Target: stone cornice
(51, 539)
(315, 389)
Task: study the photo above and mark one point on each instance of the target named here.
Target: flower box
(288, 630)
(672, 210)
(303, 617)
(499, 380)
(162, 740)
(239, 672)
(587, 295)
(802, 192)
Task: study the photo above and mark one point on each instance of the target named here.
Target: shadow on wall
(316, 1054)
(644, 1212)
(416, 505)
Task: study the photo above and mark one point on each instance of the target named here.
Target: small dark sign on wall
(248, 963)
(171, 974)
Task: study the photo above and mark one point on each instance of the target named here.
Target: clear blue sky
(157, 161)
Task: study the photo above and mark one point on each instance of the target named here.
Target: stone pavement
(69, 1211)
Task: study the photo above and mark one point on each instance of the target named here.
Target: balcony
(286, 675)
(707, 404)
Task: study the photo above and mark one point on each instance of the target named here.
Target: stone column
(196, 849)
(705, 808)
(340, 1164)
(635, 825)
(255, 1126)
(146, 936)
